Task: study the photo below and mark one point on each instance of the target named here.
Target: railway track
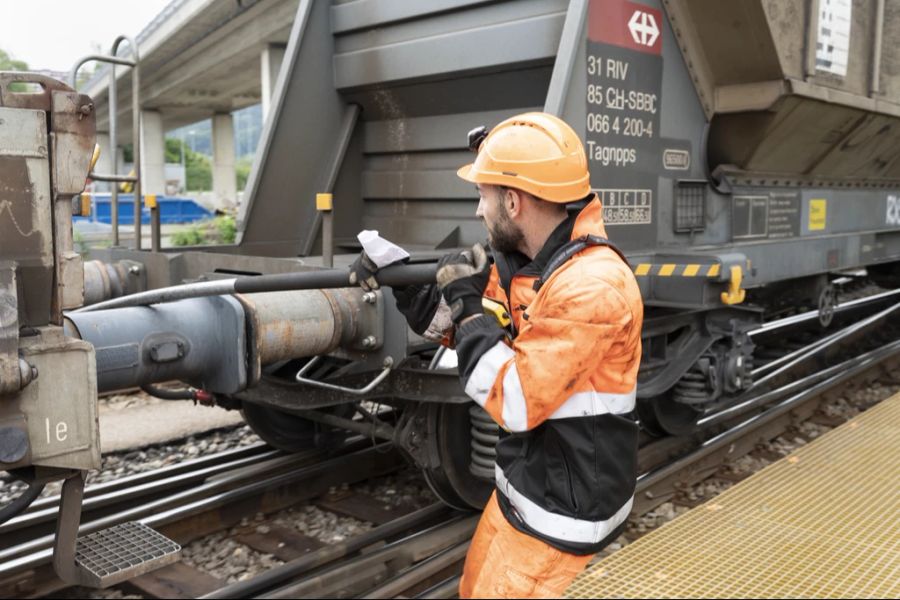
(423, 552)
(191, 500)
(669, 466)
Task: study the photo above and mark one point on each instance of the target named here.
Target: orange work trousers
(503, 562)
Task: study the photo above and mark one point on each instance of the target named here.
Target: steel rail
(207, 496)
(232, 454)
(833, 375)
(9, 554)
(718, 415)
(793, 356)
(855, 366)
(820, 382)
(810, 387)
(449, 588)
(319, 581)
(419, 572)
(784, 364)
(333, 552)
(812, 316)
(407, 551)
(152, 490)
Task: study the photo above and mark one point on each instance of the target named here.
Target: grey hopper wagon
(740, 148)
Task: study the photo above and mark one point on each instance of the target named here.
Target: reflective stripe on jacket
(563, 388)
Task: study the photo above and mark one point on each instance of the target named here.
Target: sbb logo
(643, 28)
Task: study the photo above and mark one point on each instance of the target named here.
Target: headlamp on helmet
(476, 136)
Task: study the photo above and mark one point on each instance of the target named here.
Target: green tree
(197, 167)
(173, 151)
(8, 63)
(220, 230)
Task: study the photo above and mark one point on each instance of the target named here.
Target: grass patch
(220, 230)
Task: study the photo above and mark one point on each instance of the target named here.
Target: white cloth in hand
(379, 250)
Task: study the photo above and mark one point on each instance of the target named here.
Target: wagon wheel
(661, 416)
(450, 439)
(292, 433)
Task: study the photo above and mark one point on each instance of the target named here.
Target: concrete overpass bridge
(199, 59)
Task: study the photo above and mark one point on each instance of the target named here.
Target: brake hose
(20, 504)
(183, 394)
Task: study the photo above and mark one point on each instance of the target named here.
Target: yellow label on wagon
(818, 208)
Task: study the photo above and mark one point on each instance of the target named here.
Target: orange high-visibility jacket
(563, 387)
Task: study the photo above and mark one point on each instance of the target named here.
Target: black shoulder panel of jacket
(570, 249)
(473, 339)
(507, 266)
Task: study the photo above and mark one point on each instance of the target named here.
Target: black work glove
(462, 278)
(418, 303)
(362, 272)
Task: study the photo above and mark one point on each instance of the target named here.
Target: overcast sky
(53, 34)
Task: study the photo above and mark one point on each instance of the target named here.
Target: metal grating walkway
(823, 522)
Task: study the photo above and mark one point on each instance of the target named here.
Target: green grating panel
(823, 522)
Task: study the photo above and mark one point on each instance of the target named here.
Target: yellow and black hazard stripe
(733, 275)
(677, 270)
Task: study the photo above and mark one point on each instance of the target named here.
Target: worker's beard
(504, 236)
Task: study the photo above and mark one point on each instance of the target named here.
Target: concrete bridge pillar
(223, 175)
(153, 153)
(272, 57)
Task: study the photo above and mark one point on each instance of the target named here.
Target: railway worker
(561, 381)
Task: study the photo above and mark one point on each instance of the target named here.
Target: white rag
(381, 251)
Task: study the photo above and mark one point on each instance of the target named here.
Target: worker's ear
(512, 201)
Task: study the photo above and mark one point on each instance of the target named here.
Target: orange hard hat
(535, 152)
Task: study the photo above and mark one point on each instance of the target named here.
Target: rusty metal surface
(25, 212)
(62, 434)
(48, 422)
(769, 40)
(9, 330)
(41, 170)
(98, 283)
(73, 123)
(103, 281)
(69, 279)
(292, 324)
(298, 324)
(35, 99)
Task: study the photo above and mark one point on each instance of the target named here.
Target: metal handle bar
(114, 60)
(388, 366)
(113, 177)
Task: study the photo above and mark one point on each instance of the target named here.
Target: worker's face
(504, 235)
